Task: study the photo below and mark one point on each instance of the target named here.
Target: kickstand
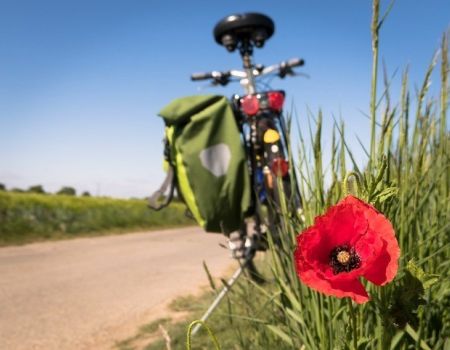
(226, 288)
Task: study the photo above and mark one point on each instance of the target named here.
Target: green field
(27, 217)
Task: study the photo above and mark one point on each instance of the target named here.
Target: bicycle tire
(262, 152)
(282, 190)
(253, 272)
(248, 255)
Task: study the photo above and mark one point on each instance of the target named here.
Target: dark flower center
(343, 258)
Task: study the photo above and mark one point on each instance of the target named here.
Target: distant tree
(85, 194)
(17, 190)
(36, 189)
(68, 191)
(2, 187)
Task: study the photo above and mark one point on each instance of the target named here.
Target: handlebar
(285, 68)
(282, 69)
(295, 62)
(222, 78)
(201, 76)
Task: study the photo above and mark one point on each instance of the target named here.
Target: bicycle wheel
(283, 198)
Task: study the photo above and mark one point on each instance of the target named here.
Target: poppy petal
(368, 248)
(350, 288)
(378, 273)
(342, 224)
(385, 266)
(339, 287)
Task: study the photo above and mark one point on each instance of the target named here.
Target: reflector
(250, 105)
(280, 167)
(276, 100)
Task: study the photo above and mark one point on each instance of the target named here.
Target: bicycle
(259, 115)
(263, 129)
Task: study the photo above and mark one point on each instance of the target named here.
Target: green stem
(386, 332)
(210, 333)
(353, 324)
(373, 98)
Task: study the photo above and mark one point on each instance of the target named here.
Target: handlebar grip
(295, 62)
(201, 76)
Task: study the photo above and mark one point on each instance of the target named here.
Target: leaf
(413, 334)
(385, 194)
(363, 343)
(290, 295)
(427, 279)
(281, 334)
(406, 299)
(396, 339)
(295, 317)
(210, 278)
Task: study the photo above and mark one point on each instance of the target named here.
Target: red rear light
(250, 104)
(276, 100)
(280, 167)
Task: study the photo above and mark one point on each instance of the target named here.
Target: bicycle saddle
(251, 28)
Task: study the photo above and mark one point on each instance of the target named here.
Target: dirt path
(87, 293)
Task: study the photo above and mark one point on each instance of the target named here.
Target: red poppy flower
(350, 240)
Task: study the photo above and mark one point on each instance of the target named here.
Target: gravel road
(87, 293)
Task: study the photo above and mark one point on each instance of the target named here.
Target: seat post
(246, 50)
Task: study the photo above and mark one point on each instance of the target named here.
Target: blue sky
(81, 82)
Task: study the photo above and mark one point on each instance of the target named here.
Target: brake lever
(284, 71)
(221, 80)
(295, 74)
(206, 86)
(288, 71)
(214, 83)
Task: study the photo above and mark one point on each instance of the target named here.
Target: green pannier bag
(207, 162)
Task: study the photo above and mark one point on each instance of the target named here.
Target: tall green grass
(26, 217)
(406, 177)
